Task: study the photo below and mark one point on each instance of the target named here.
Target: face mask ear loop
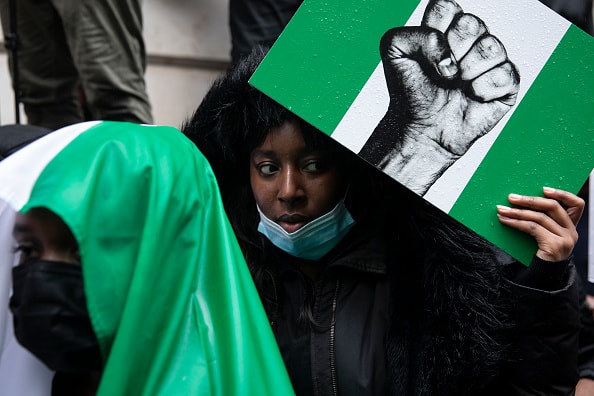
(346, 193)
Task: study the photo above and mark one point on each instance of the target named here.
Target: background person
(257, 22)
(13, 137)
(64, 46)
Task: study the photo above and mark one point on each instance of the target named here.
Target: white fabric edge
(19, 171)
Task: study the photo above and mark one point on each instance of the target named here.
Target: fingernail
(503, 208)
(447, 67)
(548, 189)
(515, 196)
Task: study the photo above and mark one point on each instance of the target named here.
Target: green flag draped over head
(169, 294)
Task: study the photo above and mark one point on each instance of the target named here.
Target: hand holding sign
(450, 82)
(551, 220)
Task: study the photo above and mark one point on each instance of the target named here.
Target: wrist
(418, 162)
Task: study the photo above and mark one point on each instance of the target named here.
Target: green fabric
(169, 294)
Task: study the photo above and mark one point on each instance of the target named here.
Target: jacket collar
(362, 249)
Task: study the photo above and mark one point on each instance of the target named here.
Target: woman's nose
(291, 188)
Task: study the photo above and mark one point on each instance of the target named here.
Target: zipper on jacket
(332, 342)
(275, 314)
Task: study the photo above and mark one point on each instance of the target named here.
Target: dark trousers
(80, 51)
(254, 22)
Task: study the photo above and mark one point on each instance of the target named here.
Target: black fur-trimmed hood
(450, 322)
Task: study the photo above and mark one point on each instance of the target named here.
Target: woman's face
(294, 184)
(41, 234)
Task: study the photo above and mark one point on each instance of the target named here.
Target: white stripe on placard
(530, 33)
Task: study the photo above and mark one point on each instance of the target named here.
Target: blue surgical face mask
(313, 240)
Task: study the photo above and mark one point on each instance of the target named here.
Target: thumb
(412, 50)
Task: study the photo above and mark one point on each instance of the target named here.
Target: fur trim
(452, 340)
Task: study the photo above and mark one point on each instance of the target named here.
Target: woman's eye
(268, 169)
(314, 166)
(25, 252)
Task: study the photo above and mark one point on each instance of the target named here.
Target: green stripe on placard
(540, 136)
(342, 37)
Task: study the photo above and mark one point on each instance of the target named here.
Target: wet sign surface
(462, 102)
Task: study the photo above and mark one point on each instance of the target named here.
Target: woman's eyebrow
(21, 229)
(262, 152)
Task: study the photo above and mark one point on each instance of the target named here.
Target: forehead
(289, 140)
(288, 135)
(36, 216)
(41, 222)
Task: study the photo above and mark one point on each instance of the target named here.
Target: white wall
(195, 30)
(188, 46)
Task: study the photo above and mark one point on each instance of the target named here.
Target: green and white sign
(463, 102)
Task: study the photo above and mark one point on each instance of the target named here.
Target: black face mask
(51, 318)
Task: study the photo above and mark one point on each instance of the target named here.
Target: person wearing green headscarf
(129, 278)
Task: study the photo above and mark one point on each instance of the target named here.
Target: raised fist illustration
(450, 82)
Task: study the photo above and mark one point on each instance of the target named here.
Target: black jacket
(424, 327)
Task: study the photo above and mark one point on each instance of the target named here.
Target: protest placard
(463, 102)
